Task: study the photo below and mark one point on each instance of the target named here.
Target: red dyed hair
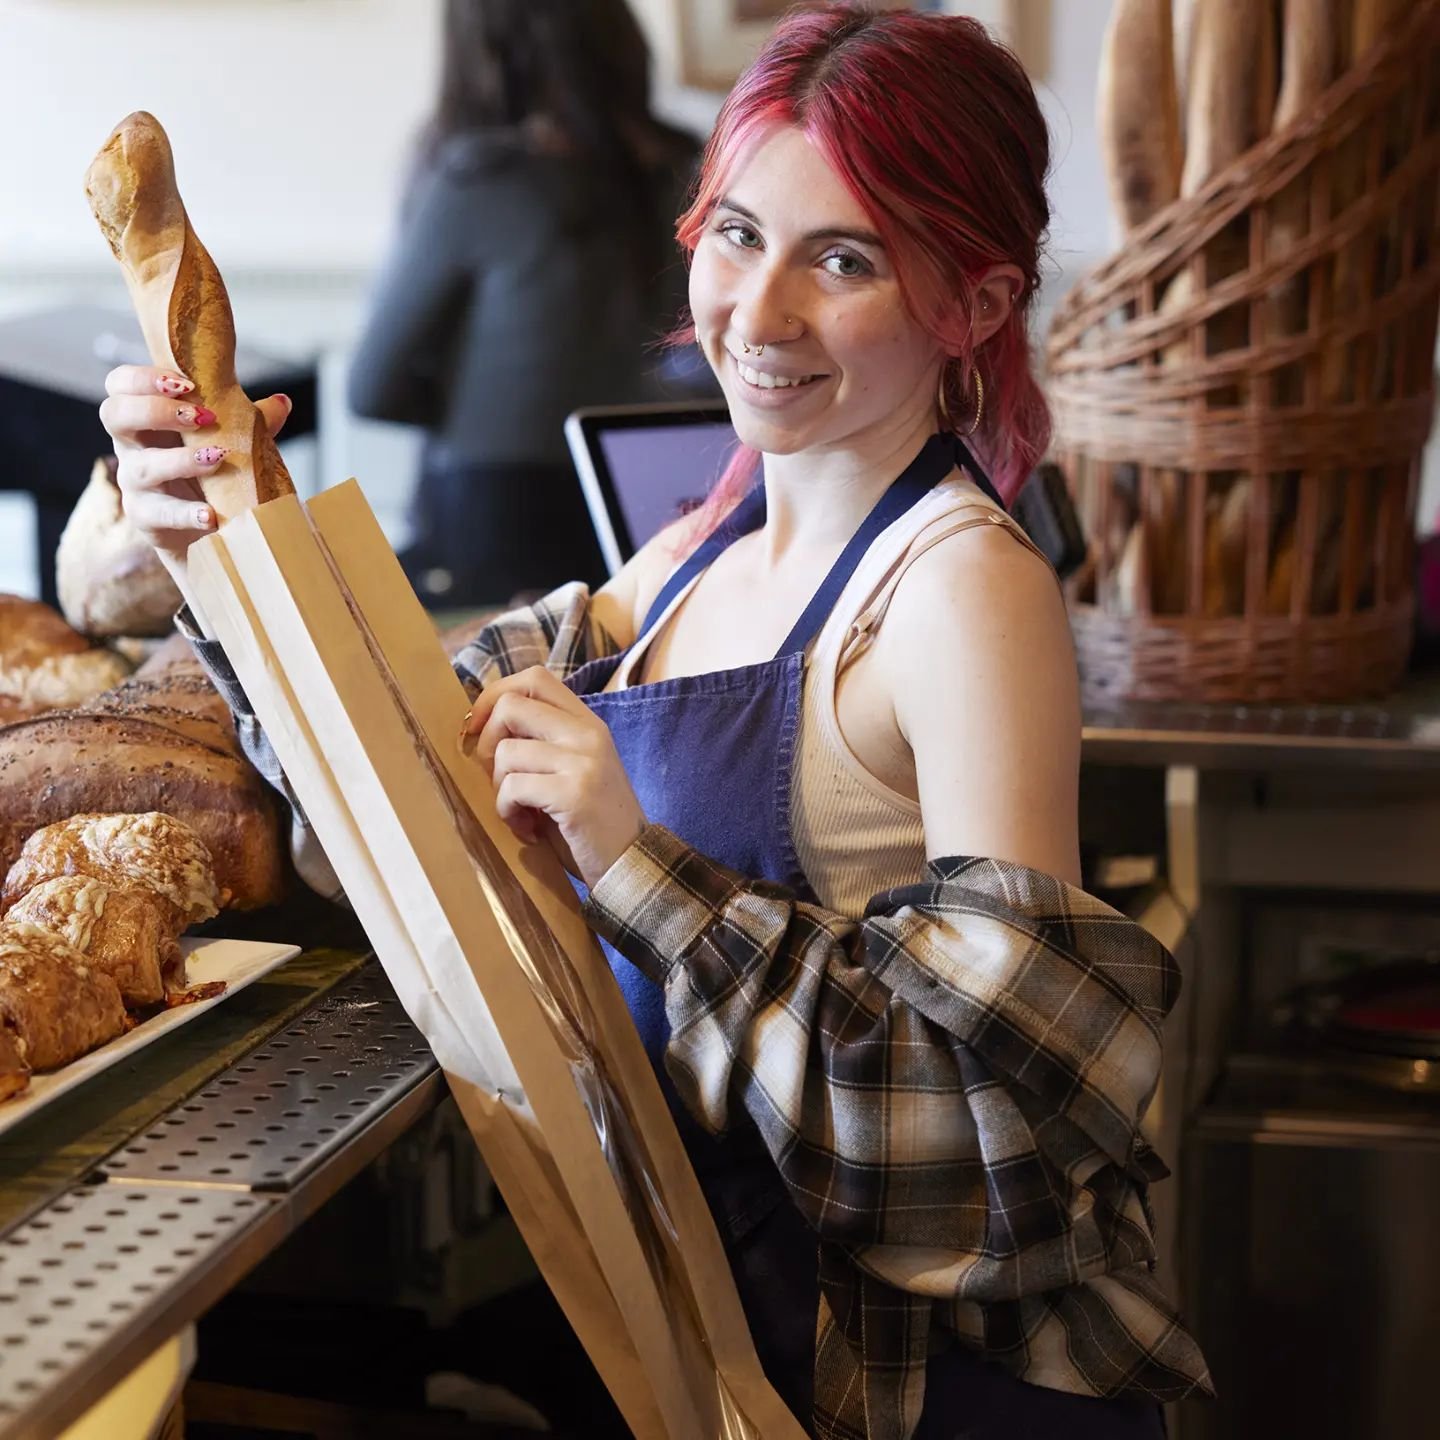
(935, 130)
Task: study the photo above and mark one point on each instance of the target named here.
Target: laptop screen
(642, 466)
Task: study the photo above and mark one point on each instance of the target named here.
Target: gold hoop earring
(944, 407)
(979, 399)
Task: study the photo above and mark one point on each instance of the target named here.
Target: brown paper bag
(488, 952)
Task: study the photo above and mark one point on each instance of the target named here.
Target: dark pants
(483, 533)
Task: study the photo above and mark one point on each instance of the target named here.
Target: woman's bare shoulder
(986, 575)
(994, 726)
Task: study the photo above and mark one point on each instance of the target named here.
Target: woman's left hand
(556, 772)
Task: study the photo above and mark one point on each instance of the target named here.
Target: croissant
(58, 1005)
(122, 932)
(152, 852)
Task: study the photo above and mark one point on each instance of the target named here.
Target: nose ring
(752, 349)
(759, 349)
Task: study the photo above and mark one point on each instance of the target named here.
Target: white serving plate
(237, 962)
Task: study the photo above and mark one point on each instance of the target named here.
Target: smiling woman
(855, 669)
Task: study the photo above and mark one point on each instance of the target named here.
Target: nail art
(173, 385)
(210, 454)
(204, 416)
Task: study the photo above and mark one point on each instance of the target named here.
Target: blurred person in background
(534, 271)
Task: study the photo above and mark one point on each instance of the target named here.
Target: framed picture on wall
(718, 38)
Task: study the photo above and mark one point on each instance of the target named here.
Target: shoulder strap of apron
(748, 515)
(942, 453)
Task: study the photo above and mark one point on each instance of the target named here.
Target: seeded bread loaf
(162, 741)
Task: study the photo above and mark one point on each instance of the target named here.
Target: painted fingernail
(203, 517)
(173, 385)
(190, 414)
(289, 403)
(204, 415)
(210, 454)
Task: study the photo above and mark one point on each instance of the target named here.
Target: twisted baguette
(181, 302)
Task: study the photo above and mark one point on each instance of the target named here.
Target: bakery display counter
(1400, 732)
(128, 1207)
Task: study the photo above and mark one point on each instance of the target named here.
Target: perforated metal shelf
(88, 1286)
(274, 1118)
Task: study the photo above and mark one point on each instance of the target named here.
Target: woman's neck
(816, 499)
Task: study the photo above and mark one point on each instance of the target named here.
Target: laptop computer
(641, 466)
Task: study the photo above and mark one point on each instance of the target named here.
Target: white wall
(289, 119)
(291, 122)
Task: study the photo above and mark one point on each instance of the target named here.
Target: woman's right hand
(159, 435)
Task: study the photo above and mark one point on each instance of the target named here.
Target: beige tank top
(855, 836)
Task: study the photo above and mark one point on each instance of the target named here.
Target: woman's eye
(741, 235)
(845, 265)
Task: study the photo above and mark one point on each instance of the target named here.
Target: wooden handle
(181, 302)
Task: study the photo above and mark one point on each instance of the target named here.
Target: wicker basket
(1241, 400)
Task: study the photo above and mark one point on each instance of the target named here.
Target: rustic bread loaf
(111, 581)
(44, 663)
(162, 741)
(1138, 111)
(181, 302)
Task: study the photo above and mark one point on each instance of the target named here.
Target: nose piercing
(746, 348)
(759, 349)
(752, 349)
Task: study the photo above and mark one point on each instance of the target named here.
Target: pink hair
(935, 130)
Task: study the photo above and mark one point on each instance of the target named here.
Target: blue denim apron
(710, 757)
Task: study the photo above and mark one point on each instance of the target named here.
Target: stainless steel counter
(1401, 732)
(94, 1279)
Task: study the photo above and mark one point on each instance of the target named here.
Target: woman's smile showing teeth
(767, 380)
